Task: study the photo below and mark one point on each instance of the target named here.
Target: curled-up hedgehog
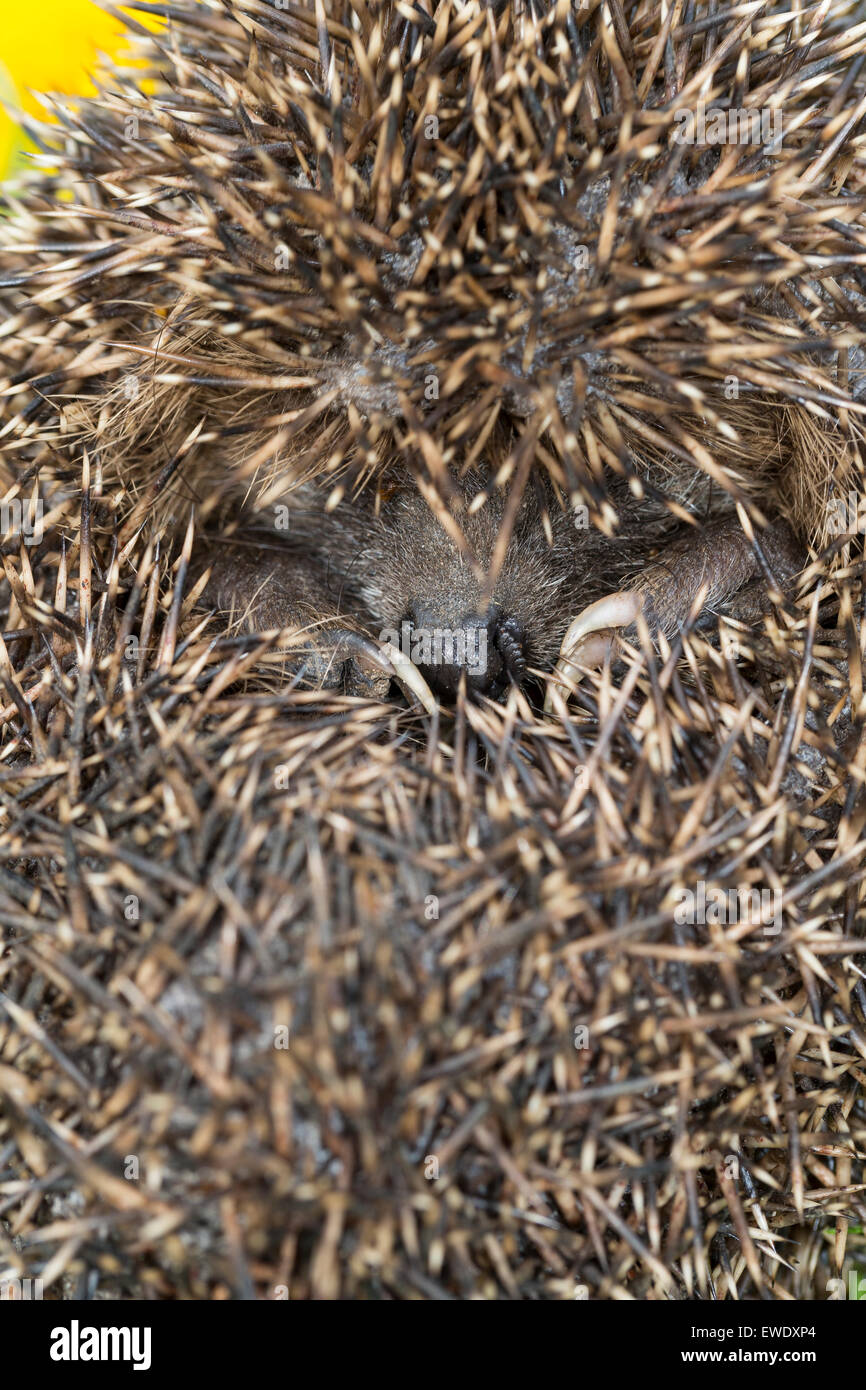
(469, 346)
(452, 345)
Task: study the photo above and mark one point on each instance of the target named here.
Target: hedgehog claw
(361, 667)
(409, 678)
(371, 660)
(590, 637)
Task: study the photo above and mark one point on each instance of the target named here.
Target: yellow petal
(52, 47)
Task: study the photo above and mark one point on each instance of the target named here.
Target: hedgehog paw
(349, 662)
(717, 569)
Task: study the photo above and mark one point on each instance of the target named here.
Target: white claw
(614, 610)
(409, 676)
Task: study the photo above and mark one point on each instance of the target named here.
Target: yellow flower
(54, 46)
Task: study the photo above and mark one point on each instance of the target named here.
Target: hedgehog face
(436, 594)
(479, 590)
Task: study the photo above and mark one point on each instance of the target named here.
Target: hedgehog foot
(258, 590)
(714, 571)
(342, 659)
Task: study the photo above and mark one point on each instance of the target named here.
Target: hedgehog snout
(487, 648)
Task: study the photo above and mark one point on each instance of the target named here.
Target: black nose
(487, 649)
